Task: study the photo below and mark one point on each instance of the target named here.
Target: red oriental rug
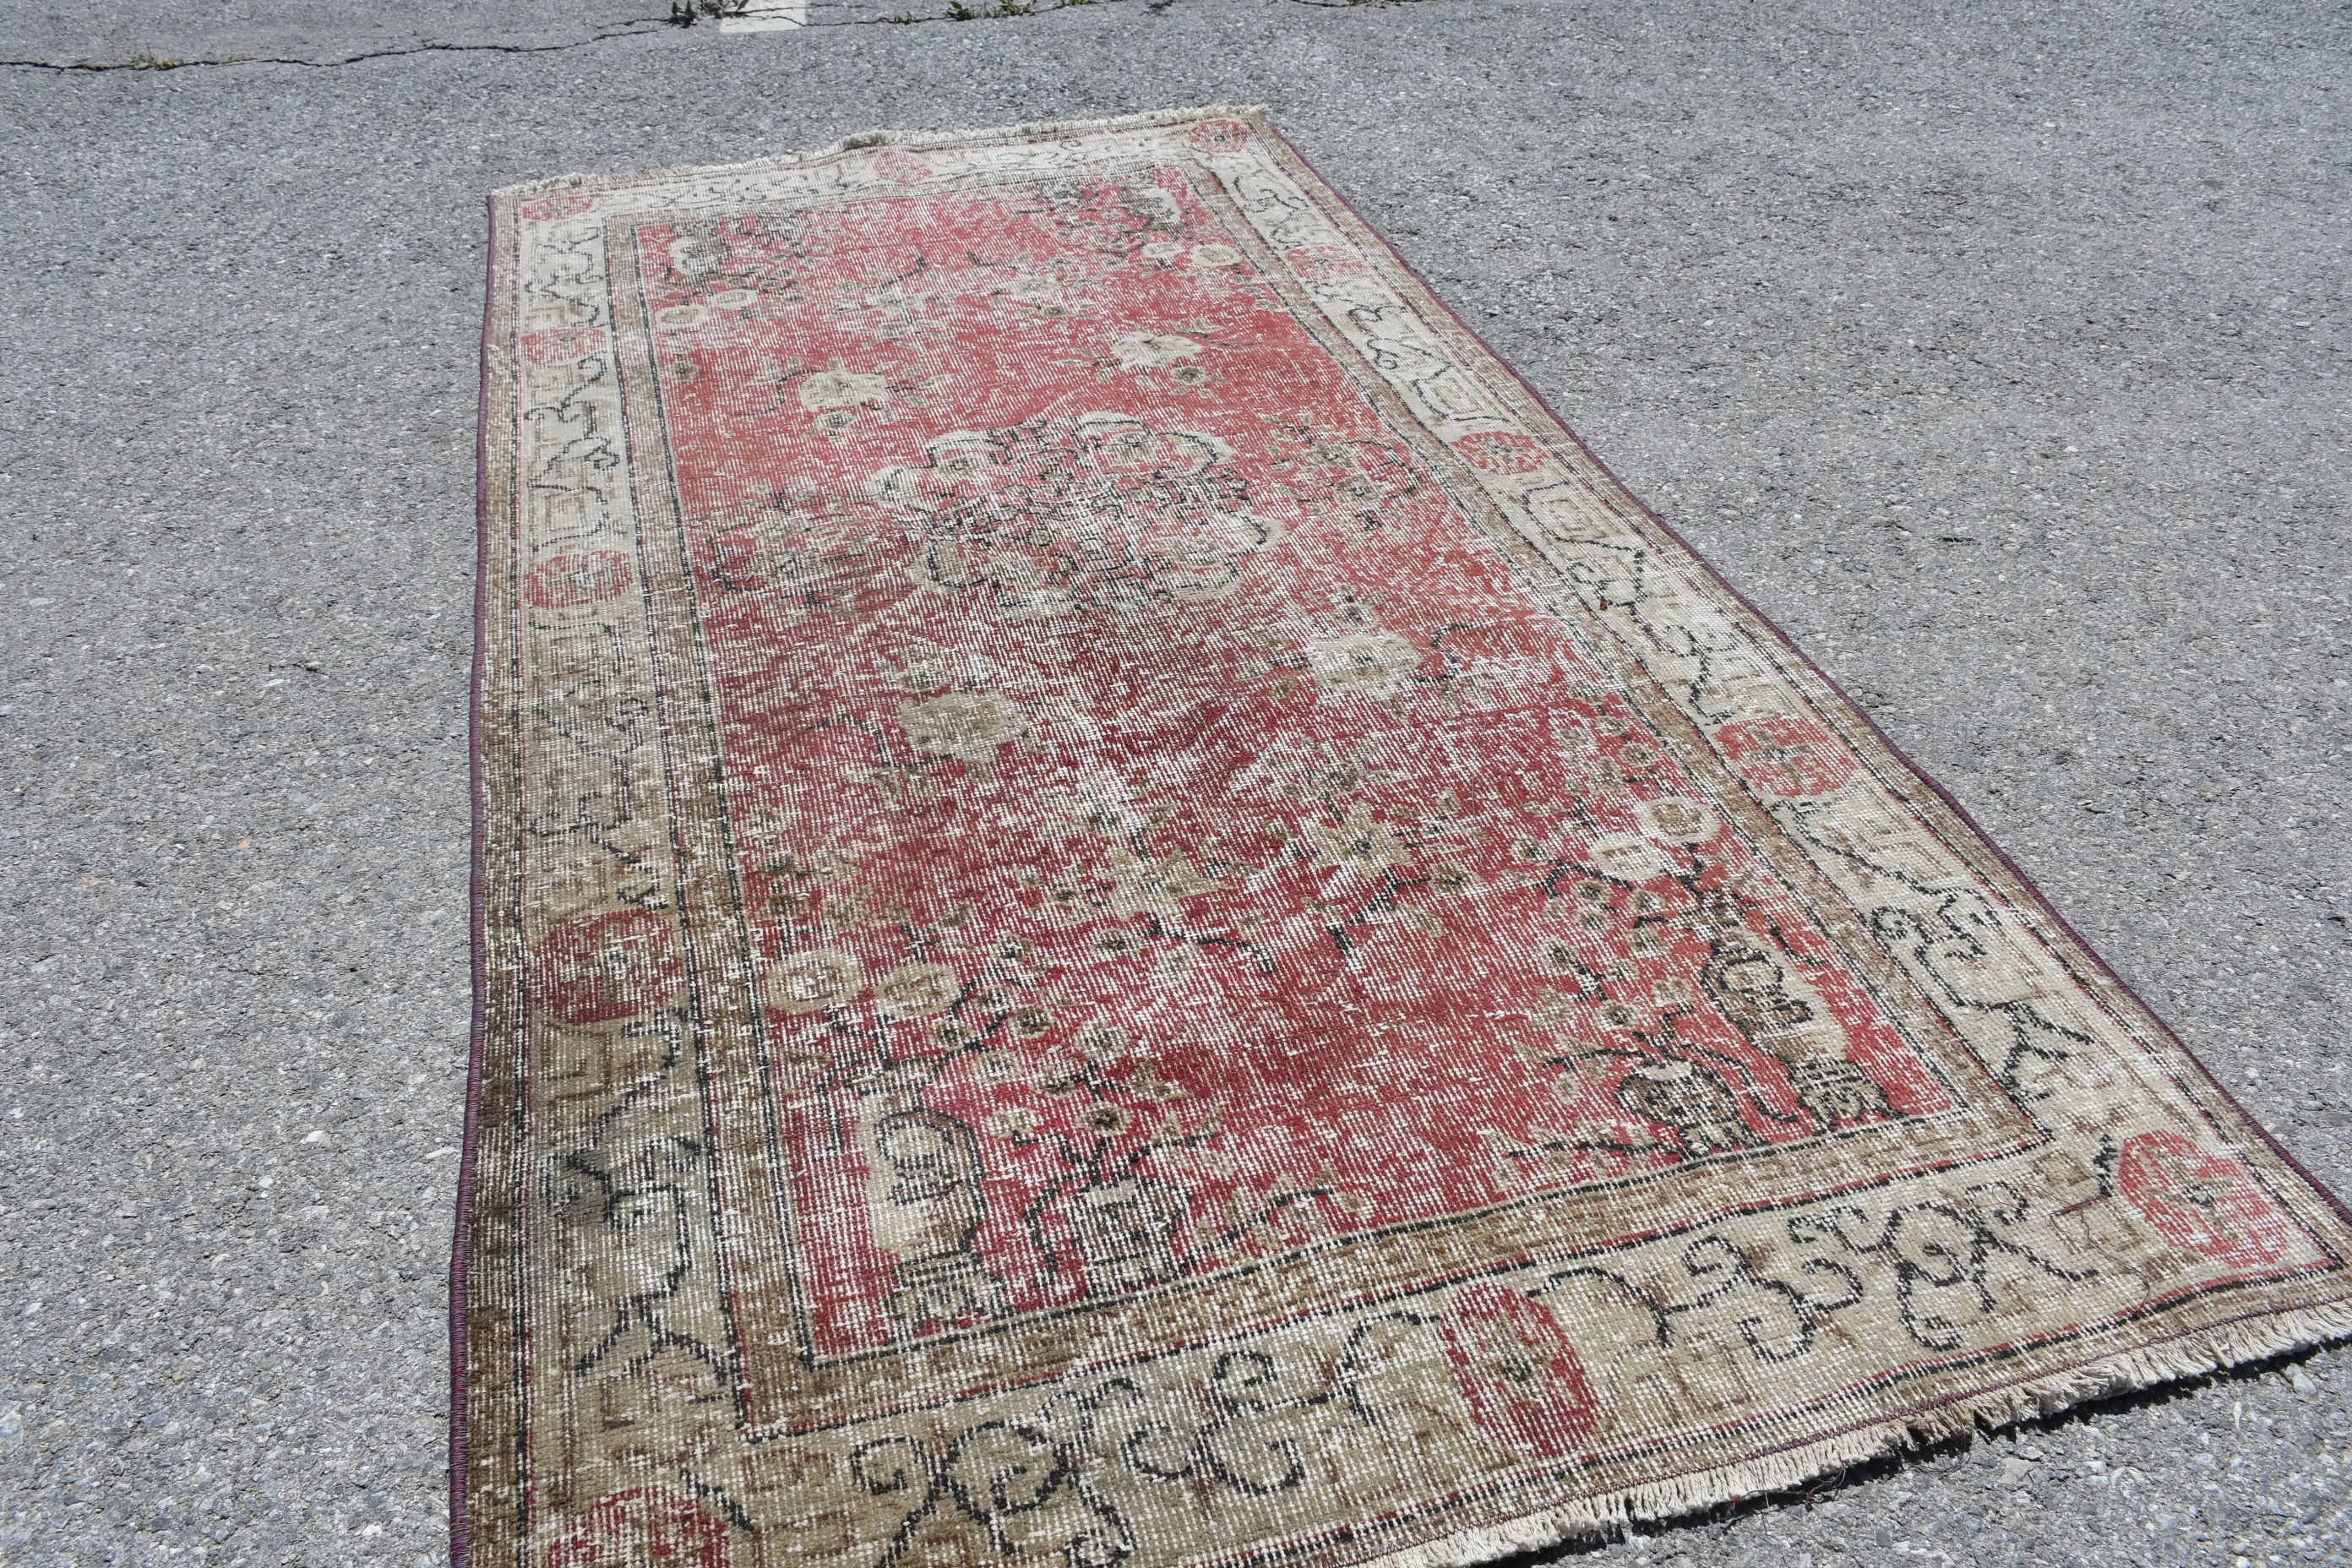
(1130, 915)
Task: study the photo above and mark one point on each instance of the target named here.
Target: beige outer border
(1605, 1516)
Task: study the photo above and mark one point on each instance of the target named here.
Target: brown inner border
(490, 1315)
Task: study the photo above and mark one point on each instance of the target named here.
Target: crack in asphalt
(634, 29)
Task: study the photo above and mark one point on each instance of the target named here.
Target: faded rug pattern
(1130, 915)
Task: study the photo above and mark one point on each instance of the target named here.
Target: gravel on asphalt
(1995, 350)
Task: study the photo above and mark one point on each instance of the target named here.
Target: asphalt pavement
(1995, 350)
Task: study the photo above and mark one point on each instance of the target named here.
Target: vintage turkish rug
(1129, 914)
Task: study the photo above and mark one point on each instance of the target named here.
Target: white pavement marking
(767, 17)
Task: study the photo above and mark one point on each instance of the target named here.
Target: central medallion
(1058, 516)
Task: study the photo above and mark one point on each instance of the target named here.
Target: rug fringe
(913, 140)
(1607, 1516)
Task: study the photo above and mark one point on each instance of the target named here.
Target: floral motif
(1676, 819)
(803, 555)
(1691, 1100)
(968, 726)
(1154, 886)
(1356, 842)
(1367, 664)
(917, 990)
(597, 968)
(1517, 1367)
(1501, 452)
(1786, 755)
(812, 981)
(550, 209)
(562, 345)
(1627, 857)
(843, 389)
(902, 168)
(1152, 350)
(1219, 137)
(698, 255)
(2203, 1202)
(587, 577)
(1325, 263)
(1103, 512)
(644, 1527)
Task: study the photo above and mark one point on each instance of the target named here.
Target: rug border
(2200, 1352)
(460, 1251)
(1606, 1515)
(1025, 130)
(2343, 1209)
(1999, 854)
(2191, 1354)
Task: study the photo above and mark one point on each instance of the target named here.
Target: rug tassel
(1608, 1515)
